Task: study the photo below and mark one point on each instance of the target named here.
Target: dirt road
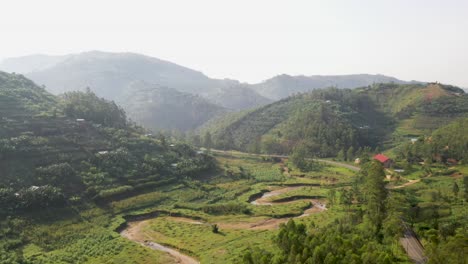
(412, 246)
(135, 232)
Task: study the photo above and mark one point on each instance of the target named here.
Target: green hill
(331, 120)
(21, 97)
(77, 146)
(419, 109)
(445, 143)
(162, 108)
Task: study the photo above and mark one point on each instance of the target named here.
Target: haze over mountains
(113, 76)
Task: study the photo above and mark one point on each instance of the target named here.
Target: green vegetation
(75, 172)
(359, 237)
(446, 144)
(54, 167)
(161, 108)
(333, 121)
(86, 105)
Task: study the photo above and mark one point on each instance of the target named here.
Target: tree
(341, 155)
(86, 105)
(207, 140)
(350, 154)
(346, 198)
(375, 193)
(215, 228)
(331, 197)
(196, 140)
(299, 159)
(455, 189)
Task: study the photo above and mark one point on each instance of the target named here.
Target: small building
(103, 152)
(413, 140)
(79, 120)
(357, 161)
(386, 161)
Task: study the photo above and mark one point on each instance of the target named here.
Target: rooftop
(381, 157)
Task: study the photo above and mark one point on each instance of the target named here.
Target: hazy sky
(254, 40)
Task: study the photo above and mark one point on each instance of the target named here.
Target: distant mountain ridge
(113, 76)
(284, 85)
(104, 71)
(109, 74)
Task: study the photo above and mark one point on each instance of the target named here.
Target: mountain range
(113, 77)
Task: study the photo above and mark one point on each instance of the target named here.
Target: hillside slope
(44, 143)
(165, 108)
(21, 97)
(325, 120)
(330, 120)
(419, 109)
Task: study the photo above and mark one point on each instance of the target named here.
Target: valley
(234, 132)
(187, 229)
(295, 181)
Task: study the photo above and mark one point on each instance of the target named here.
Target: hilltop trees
(87, 105)
(301, 159)
(207, 140)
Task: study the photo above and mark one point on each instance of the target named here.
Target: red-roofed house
(386, 161)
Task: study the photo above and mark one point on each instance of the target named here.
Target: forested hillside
(447, 144)
(332, 120)
(52, 149)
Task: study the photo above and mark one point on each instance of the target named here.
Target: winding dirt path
(135, 232)
(317, 205)
(410, 182)
(135, 229)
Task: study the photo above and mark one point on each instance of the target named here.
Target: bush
(115, 191)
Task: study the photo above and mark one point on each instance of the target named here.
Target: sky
(253, 40)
